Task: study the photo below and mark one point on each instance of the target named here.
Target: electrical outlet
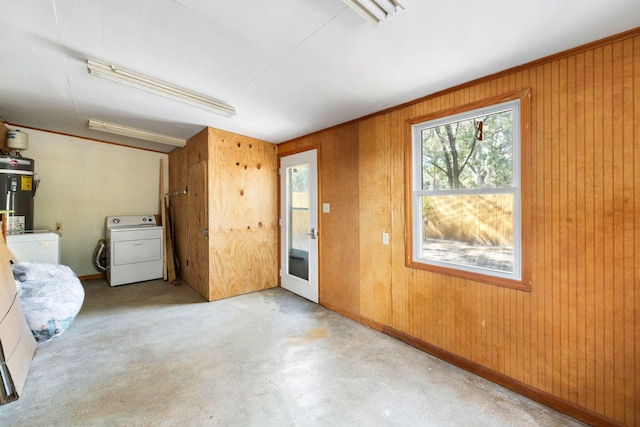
(58, 226)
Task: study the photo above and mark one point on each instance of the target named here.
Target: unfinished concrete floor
(153, 354)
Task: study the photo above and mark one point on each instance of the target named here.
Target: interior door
(299, 224)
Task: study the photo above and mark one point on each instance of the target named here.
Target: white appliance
(134, 249)
(41, 246)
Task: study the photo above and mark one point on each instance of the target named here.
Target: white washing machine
(134, 249)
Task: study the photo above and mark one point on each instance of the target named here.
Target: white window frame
(515, 190)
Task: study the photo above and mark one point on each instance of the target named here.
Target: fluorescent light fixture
(135, 133)
(111, 72)
(374, 11)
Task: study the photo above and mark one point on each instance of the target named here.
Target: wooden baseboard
(92, 276)
(545, 398)
(367, 322)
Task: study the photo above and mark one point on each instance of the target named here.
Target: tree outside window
(466, 191)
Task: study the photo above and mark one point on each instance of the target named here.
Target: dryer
(134, 249)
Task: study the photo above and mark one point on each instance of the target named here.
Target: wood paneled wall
(572, 342)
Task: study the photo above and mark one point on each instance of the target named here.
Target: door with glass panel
(299, 224)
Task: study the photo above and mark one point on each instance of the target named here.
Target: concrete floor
(153, 354)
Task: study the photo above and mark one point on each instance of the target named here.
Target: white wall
(83, 182)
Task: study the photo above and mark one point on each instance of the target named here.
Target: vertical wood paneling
(590, 391)
(580, 312)
(539, 291)
(570, 218)
(623, 110)
(618, 222)
(561, 311)
(633, 387)
(402, 302)
(524, 300)
(575, 335)
(340, 230)
(599, 189)
(608, 264)
(516, 339)
(535, 345)
(374, 183)
(550, 265)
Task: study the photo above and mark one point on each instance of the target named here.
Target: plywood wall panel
(196, 268)
(192, 219)
(232, 181)
(3, 136)
(242, 221)
(197, 147)
(242, 183)
(178, 204)
(575, 334)
(241, 261)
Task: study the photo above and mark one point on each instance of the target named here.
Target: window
(466, 193)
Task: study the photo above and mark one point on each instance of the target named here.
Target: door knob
(313, 233)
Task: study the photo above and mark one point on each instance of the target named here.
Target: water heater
(17, 190)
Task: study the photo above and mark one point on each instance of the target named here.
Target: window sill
(522, 285)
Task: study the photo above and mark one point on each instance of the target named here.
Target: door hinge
(205, 231)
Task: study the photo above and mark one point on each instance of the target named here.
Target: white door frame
(305, 288)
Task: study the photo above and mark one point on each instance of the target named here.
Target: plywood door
(197, 263)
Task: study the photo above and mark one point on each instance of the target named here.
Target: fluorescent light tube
(374, 11)
(135, 133)
(389, 6)
(129, 78)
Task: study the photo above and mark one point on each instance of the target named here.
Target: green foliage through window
(475, 152)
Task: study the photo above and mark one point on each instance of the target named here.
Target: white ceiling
(289, 67)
